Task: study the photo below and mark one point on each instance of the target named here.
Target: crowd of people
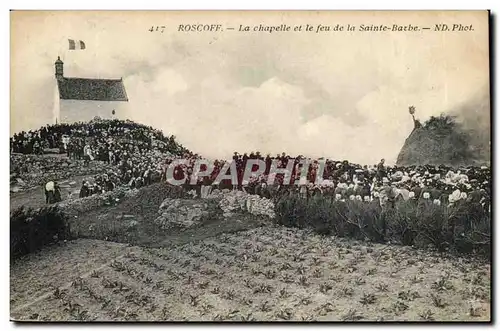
(134, 152)
(343, 181)
(72, 138)
(139, 155)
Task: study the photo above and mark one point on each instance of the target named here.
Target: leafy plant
(265, 306)
(437, 301)
(346, 291)
(325, 288)
(285, 314)
(303, 281)
(382, 287)
(284, 293)
(270, 274)
(368, 298)
(229, 295)
(263, 288)
(442, 284)
(428, 315)
(359, 281)
(307, 318)
(247, 318)
(399, 306)
(351, 315)
(194, 300)
(326, 308)
(59, 294)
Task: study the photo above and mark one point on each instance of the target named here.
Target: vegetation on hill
(32, 229)
(464, 228)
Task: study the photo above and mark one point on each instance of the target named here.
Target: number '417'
(157, 29)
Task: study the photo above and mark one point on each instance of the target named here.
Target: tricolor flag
(76, 44)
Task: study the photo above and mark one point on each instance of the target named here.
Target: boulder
(181, 213)
(240, 202)
(185, 213)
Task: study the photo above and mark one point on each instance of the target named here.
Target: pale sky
(340, 95)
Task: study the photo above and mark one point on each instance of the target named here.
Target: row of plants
(461, 228)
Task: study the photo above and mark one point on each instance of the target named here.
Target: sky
(340, 95)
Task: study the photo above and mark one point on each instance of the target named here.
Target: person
(206, 187)
(108, 185)
(52, 192)
(264, 191)
(84, 190)
(37, 148)
(365, 189)
(387, 194)
(57, 192)
(65, 142)
(49, 192)
(381, 169)
(87, 151)
(401, 192)
(316, 191)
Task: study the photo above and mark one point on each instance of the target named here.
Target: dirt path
(34, 197)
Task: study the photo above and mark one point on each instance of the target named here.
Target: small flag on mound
(76, 44)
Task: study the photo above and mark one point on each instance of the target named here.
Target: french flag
(76, 44)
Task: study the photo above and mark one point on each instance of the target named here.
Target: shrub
(471, 225)
(462, 228)
(31, 229)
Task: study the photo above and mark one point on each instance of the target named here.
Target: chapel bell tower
(59, 69)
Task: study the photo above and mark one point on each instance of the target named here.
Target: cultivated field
(269, 273)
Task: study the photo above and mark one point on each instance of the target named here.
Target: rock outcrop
(181, 213)
(232, 202)
(185, 213)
